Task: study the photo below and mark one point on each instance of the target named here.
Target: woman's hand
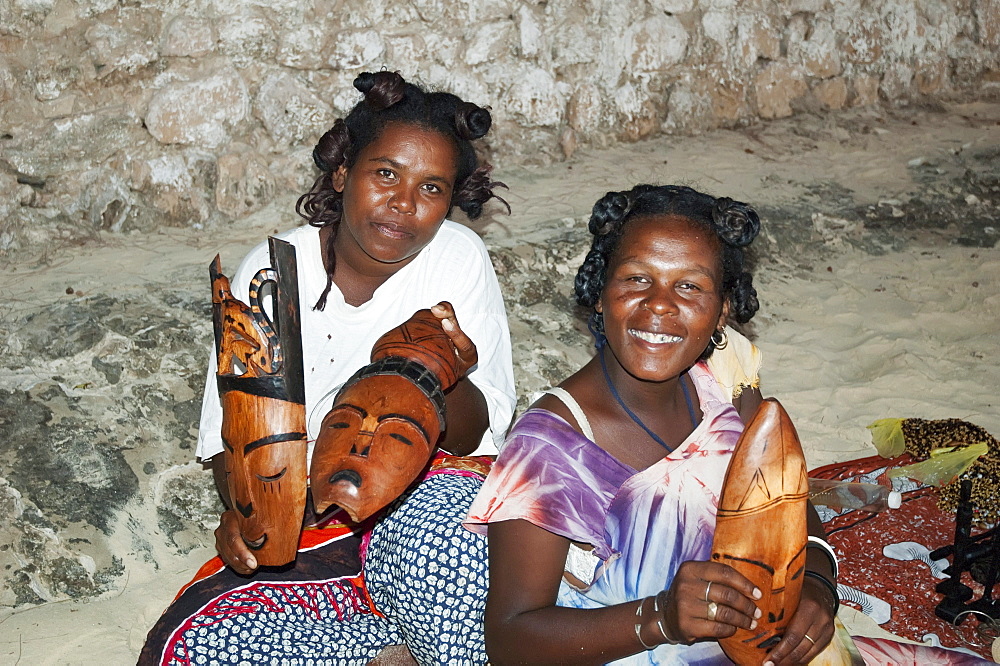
(231, 547)
(810, 629)
(466, 348)
(709, 600)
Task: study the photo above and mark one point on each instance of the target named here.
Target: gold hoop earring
(723, 339)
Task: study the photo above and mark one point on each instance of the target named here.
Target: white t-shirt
(337, 341)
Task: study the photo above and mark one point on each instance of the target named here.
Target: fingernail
(447, 325)
(757, 595)
(753, 625)
(768, 663)
(252, 563)
(757, 613)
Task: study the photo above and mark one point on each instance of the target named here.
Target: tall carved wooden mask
(260, 382)
(386, 420)
(761, 526)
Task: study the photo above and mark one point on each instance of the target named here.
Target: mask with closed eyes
(261, 388)
(386, 420)
(761, 526)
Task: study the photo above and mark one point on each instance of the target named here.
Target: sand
(858, 322)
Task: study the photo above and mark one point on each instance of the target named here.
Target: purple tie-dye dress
(642, 525)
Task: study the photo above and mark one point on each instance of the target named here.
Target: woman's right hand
(231, 547)
(700, 587)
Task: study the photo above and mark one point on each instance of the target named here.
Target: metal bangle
(831, 586)
(816, 542)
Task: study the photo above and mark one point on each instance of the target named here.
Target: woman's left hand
(466, 348)
(810, 629)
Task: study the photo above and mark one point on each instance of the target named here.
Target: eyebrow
(401, 167)
(272, 439)
(404, 417)
(355, 408)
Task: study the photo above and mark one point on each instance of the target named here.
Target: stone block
(896, 82)
(758, 37)
(655, 44)
(246, 37)
(586, 112)
(356, 49)
(302, 46)
(863, 42)
(530, 33)
(243, 184)
(831, 93)
(813, 46)
(290, 111)
(636, 111)
(776, 86)
(126, 46)
(864, 90)
(932, 78)
(489, 42)
(987, 17)
(202, 111)
(187, 37)
(534, 98)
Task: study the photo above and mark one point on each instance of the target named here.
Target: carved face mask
(265, 454)
(378, 437)
(761, 526)
(263, 407)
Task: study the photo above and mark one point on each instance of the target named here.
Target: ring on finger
(713, 610)
(811, 639)
(707, 588)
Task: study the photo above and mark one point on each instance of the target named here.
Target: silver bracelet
(638, 626)
(816, 542)
(659, 622)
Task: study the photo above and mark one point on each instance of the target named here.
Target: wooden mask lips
(386, 420)
(261, 386)
(761, 526)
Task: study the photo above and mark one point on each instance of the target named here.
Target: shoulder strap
(574, 408)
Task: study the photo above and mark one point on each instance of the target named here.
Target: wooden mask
(761, 526)
(386, 420)
(261, 387)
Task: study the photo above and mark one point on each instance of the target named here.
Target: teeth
(655, 338)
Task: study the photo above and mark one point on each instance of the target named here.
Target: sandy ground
(900, 323)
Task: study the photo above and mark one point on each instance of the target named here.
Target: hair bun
(381, 89)
(472, 121)
(609, 209)
(736, 222)
(328, 154)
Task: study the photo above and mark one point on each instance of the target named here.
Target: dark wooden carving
(386, 421)
(761, 527)
(261, 386)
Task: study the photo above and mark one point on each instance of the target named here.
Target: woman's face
(662, 298)
(396, 195)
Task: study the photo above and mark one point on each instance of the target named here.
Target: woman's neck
(357, 280)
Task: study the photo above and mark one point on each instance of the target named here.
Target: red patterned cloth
(900, 593)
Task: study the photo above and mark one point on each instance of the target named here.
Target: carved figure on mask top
(386, 420)
(261, 387)
(761, 528)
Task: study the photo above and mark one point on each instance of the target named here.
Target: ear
(339, 178)
(723, 316)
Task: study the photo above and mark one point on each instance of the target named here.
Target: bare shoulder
(747, 402)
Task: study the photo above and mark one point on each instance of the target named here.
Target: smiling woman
(377, 249)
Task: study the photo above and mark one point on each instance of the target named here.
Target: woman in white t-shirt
(378, 247)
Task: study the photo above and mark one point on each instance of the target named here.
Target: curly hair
(734, 223)
(389, 99)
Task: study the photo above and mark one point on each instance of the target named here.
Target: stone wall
(120, 116)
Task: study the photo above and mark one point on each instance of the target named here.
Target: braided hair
(389, 99)
(734, 223)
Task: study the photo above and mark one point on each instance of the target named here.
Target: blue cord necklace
(632, 415)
